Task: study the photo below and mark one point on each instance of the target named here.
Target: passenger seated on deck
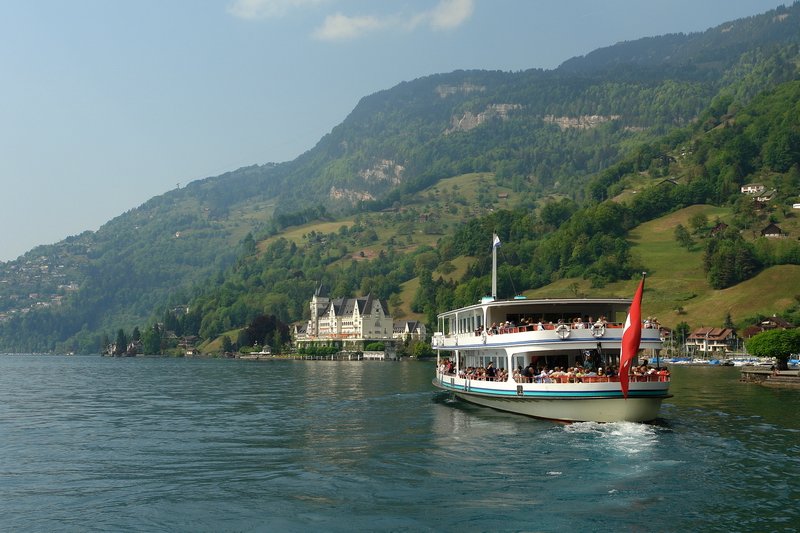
(544, 376)
(517, 375)
(527, 373)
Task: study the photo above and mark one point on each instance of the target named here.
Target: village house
(709, 340)
(753, 188)
(719, 228)
(772, 231)
(766, 197)
(772, 322)
(409, 330)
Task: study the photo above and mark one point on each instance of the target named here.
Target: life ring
(598, 330)
(562, 330)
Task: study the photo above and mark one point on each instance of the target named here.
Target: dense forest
(682, 119)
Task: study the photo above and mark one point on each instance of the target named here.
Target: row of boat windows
(529, 322)
(557, 375)
(586, 359)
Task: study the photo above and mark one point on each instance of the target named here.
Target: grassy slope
(675, 275)
(676, 278)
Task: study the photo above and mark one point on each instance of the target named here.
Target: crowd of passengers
(533, 324)
(542, 374)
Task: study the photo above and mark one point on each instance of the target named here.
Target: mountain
(534, 134)
(710, 52)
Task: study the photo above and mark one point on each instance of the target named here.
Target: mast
(495, 244)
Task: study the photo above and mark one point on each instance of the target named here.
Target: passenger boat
(484, 349)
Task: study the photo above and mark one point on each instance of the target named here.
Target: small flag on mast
(496, 242)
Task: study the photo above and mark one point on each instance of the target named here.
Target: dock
(340, 356)
(765, 376)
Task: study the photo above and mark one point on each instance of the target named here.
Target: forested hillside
(704, 164)
(555, 145)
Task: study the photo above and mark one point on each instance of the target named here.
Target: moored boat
(557, 359)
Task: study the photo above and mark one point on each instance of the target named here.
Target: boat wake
(629, 438)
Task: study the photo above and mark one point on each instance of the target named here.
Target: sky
(105, 104)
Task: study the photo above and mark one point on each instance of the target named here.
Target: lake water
(133, 444)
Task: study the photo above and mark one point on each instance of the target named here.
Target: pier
(765, 376)
(340, 356)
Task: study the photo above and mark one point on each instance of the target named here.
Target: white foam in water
(627, 437)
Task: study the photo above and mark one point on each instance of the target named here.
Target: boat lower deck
(596, 401)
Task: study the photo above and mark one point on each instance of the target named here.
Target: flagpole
(494, 266)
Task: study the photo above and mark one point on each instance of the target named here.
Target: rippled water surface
(98, 444)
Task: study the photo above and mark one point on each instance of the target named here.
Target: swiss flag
(631, 335)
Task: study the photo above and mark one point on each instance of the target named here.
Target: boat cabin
(521, 314)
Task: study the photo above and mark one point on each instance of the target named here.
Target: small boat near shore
(264, 353)
(490, 365)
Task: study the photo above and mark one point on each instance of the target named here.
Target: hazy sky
(107, 103)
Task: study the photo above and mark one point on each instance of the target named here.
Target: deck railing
(575, 379)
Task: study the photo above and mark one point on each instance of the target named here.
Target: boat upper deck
(522, 311)
(539, 304)
(572, 322)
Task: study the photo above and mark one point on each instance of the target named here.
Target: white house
(753, 188)
(711, 340)
(409, 329)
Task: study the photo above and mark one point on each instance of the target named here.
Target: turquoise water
(99, 444)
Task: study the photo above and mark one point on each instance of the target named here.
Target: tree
(121, 345)
(728, 321)
(682, 331)
(227, 344)
(683, 237)
(242, 339)
(277, 341)
(421, 349)
(248, 244)
(151, 341)
(698, 222)
(777, 343)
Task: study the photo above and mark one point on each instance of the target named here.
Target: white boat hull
(572, 402)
